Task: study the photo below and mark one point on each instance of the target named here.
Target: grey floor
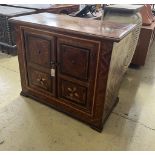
(27, 125)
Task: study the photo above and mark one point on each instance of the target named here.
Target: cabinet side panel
(21, 57)
(120, 60)
(101, 82)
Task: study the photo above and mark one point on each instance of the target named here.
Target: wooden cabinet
(51, 8)
(65, 63)
(145, 41)
(63, 8)
(7, 34)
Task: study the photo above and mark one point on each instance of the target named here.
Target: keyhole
(39, 51)
(73, 62)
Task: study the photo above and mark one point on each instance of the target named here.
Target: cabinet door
(76, 71)
(40, 54)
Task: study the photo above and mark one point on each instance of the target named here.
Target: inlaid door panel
(39, 49)
(40, 56)
(41, 80)
(76, 71)
(74, 61)
(72, 91)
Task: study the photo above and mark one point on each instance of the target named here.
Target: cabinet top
(12, 11)
(75, 25)
(41, 6)
(120, 8)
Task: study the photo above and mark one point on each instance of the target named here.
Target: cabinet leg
(97, 128)
(23, 94)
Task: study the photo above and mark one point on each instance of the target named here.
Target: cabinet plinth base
(98, 127)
